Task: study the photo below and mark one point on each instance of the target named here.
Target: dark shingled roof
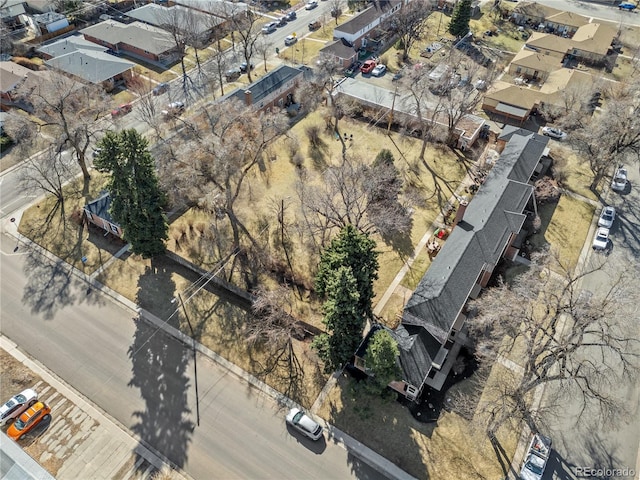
(494, 213)
(100, 207)
(338, 49)
(417, 349)
(360, 21)
(268, 84)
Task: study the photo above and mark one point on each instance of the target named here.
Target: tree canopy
(137, 202)
(459, 24)
(381, 358)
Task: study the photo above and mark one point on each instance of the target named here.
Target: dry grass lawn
(451, 450)
(572, 171)
(508, 39)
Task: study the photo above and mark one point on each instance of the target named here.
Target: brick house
(339, 53)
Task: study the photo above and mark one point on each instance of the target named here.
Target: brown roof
(534, 9)
(536, 61)
(568, 18)
(521, 97)
(594, 37)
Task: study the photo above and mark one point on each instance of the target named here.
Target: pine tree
(342, 320)
(137, 202)
(459, 24)
(381, 358)
(356, 250)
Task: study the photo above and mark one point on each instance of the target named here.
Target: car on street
(311, 4)
(627, 6)
(619, 181)
(368, 66)
(379, 70)
(291, 16)
(290, 40)
(121, 110)
(607, 216)
(16, 405)
(244, 69)
(314, 25)
(281, 22)
(304, 424)
(601, 239)
(160, 88)
(397, 76)
(554, 133)
(174, 109)
(269, 28)
(28, 420)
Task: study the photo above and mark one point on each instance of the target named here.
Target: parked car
(160, 88)
(121, 110)
(232, 74)
(601, 239)
(627, 6)
(291, 16)
(174, 109)
(269, 27)
(290, 40)
(379, 70)
(619, 181)
(607, 216)
(16, 405)
(282, 21)
(311, 4)
(304, 424)
(314, 25)
(397, 76)
(368, 66)
(554, 133)
(244, 69)
(28, 420)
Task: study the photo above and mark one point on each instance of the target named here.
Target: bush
(5, 142)
(25, 62)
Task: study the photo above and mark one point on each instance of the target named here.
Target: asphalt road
(144, 379)
(592, 444)
(598, 10)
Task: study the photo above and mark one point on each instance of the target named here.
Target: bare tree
(245, 24)
(264, 47)
(70, 112)
(336, 9)
(554, 333)
(410, 23)
(609, 138)
(179, 23)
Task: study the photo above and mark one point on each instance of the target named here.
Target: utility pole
(195, 365)
(393, 104)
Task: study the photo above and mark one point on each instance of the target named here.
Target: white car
(601, 240)
(311, 4)
(304, 424)
(16, 405)
(554, 133)
(619, 181)
(379, 70)
(607, 216)
(290, 40)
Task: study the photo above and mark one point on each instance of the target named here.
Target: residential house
(357, 30)
(197, 26)
(591, 43)
(97, 213)
(228, 12)
(13, 14)
(16, 83)
(49, 22)
(93, 66)
(135, 39)
(338, 52)
(533, 65)
(511, 101)
(68, 45)
(564, 23)
(433, 322)
(275, 89)
(9, 79)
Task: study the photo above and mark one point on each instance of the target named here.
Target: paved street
(144, 380)
(598, 10)
(592, 444)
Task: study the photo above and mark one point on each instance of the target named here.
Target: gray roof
(338, 49)
(70, 44)
(372, 13)
(219, 8)
(479, 239)
(417, 348)
(182, 17)
(136, 34)
(268, 84)
(89, 65)
(100, 208)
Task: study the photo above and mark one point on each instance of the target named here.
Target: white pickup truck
(536, 458)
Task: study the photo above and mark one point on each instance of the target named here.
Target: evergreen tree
(381, 358)
(342, 319)
(355, 250)
(459, 24)
(137, 202)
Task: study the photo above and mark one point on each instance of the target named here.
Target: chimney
(460, 213)
(248, 98)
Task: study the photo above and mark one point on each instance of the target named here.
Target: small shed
(97, 213)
